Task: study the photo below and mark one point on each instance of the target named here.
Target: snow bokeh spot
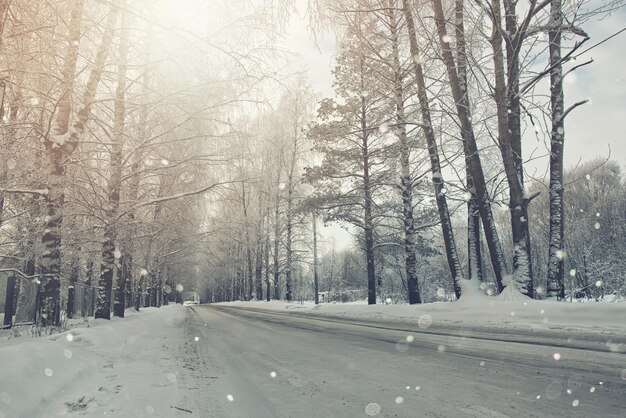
(598, 283)
(482, 364)
(441, 292)
(408, 387)
(196, 339)
(557, 356)
(388, 301)
(441, 348)
(179, 287)
(68, 353)
(69, 337)
(446, 38)
(597, 225)
(402, 346)
(425, 321)
(171, 377)
(273, 375)
(150, 409)
(575, 403)
(143, 272)
(372, 409)
(418, 387)
(572, 272)
(399, 400)
(48, 372)
(230, 397)
(554, 390)
(592, 389)
(409, 338)
(117, 254)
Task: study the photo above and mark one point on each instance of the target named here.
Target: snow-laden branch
(177, 196)
(37, 192)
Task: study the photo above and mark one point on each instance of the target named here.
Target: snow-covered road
(254, 364)
(244, 361)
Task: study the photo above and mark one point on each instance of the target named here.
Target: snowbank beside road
(583, 325)
(112, 367)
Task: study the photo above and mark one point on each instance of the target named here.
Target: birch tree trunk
(556, 255)
(435, 165)
(60, 144)
(316, 286)
(518, 203)
(405, 170)
(115, 180)
(474, 256)
(476, 181)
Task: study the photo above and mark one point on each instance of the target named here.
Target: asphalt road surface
(246, 363)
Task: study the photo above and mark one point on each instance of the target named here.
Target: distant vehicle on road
(190, 302)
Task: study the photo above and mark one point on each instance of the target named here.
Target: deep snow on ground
(522, 314)
(120, 367)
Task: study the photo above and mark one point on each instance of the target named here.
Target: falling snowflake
(409, 338)
(372, 409)
(69, 337)
(446, 38)
(557, 356)
(399, 400)
(424, 321)
(597, 225)
(575, 403)
(230, 397)
(572, 272)
(48, 372)
(273, 375)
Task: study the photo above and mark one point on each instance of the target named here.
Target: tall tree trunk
(474, 256)
(410, 260)
(107, 265)
(367, 215)
(48, 310)
(556, 255)
(435, 165)
(268, 291)
(275, 254)
(316, 286)
(476, 181)
(60, 144)
(522, 273)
